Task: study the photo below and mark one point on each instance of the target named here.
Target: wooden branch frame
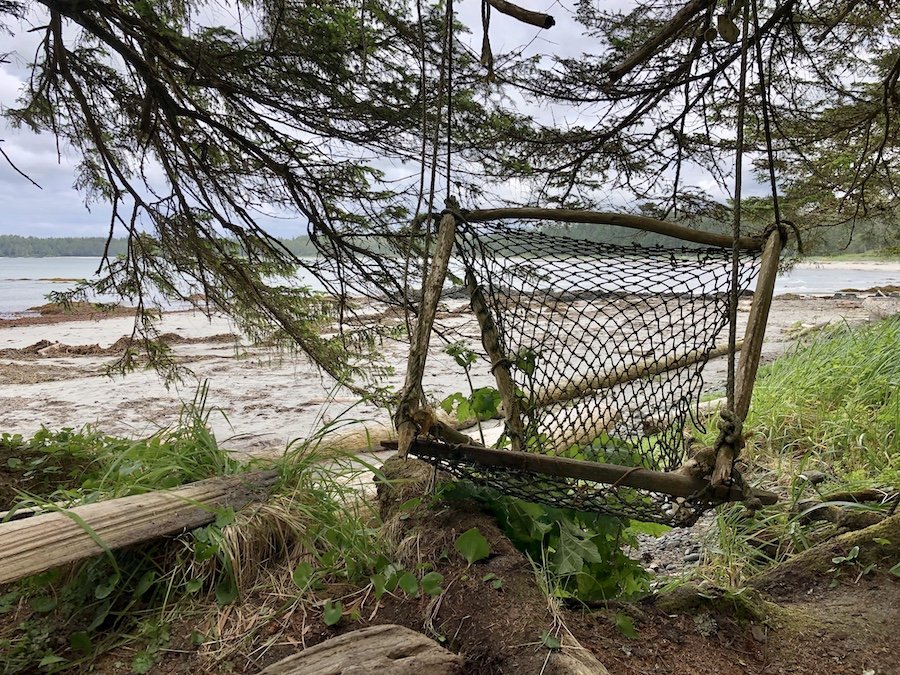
(538, 19)
(490, 338)
(757, 321)
(754, 335)
(634, 222)
(647, 367)
(418, 352)
(675, 484)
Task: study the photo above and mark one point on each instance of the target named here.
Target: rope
(449, 52)
(736, 224)
(767, 130)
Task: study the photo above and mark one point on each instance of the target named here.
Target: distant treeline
(867, 236)
(15, 246)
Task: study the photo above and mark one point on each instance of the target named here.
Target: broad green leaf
(226, 590)
(574, 550)
(550, 641)
(333, 612)
(302, 575)
(895, 570)
(193, 585)
(50, 660)
(378, 585)
(81, 643)
(409, 584)
(224, 517)
(472, 545)
(144, 583)
(431, 583)
(103, 590)
(625, 624)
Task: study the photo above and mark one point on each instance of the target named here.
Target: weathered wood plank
(388, 649)
(42, 542)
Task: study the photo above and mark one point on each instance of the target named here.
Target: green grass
(834, 403)
(831, 405)
(140, 599)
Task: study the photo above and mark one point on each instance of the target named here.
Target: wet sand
(269, 399)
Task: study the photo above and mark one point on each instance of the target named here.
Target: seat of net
(605, 345)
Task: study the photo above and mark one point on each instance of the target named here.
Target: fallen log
(390, 649)
(42, 542)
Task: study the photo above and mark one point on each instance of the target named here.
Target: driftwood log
(495, 630)
(42, 542)
(387, 649)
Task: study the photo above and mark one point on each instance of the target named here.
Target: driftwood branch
(750, 354)
(490, 338)
(647, 367)
(677, 485)
(621, 219)
(418, 352)
(538, 19)
(653, 45)
(40, 543)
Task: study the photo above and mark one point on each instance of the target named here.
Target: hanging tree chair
(598, 352)
(598, 349)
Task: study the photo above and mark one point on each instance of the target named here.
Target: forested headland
(878, 237)
(17, 246)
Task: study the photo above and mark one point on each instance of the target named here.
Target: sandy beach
(52, 373)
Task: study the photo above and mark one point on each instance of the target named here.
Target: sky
(57, 209)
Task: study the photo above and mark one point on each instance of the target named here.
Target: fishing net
(605, 345)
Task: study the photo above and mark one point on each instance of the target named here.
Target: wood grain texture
(42, 542)
(387, 649)
(621, 219)
(418, 352)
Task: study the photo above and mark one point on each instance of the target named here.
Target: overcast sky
(56, 209)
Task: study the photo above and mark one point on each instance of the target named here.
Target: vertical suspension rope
(736, 223)
(764, 103)
(449, 53)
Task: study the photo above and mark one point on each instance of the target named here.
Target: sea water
(25, 282)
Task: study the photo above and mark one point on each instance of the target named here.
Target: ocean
(25, 282)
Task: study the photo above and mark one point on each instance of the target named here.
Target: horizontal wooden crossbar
(634, 222)
(669, 483)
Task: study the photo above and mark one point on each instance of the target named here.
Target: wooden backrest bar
(634, 222)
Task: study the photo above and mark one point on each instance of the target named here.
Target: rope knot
(731, 431)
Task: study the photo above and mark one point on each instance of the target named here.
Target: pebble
(674, 551)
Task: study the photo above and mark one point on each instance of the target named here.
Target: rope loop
(731, 432)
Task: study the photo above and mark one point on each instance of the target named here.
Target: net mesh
(606, 346)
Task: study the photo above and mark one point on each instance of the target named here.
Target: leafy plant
(581, 551)
(472, 545)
